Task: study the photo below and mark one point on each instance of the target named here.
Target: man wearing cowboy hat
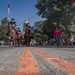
(13, 22)
(19, 31)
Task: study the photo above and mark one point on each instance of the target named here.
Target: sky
(20, 10)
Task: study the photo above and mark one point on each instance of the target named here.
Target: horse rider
(12, 33)
(18, 36)
(13, 23)
(28, 33)
(26, 24)
(19, 31)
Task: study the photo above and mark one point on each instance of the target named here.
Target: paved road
(9, 59)
(41, 60)
(62, 52)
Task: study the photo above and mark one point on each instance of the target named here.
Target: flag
(8, 8)
(73, 3)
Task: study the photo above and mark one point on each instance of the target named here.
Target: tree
(59, 13)
(3, 28)
(4, 21)
(38, 31)
(48, 29)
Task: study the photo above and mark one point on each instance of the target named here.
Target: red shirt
(56, 33)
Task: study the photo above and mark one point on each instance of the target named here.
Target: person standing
(57, 35)
(71, 40)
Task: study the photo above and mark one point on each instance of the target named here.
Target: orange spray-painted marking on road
(62, 64)
(27, 64)
(4, 72)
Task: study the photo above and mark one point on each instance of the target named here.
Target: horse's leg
(18, 44)
(16, 41)
(28, 41)
(19, 41)
(9, 41)
(13, 42)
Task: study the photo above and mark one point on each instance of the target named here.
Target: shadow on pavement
(47, 46)
(39, 46)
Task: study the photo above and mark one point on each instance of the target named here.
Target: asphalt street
(48, 60)
(9, 59)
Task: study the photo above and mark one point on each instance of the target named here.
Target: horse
(12, 35)
(28, 35)
(19, 39)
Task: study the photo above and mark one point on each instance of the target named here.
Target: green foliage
(4, 21)
(38, 31)
(3, 28)
(58, 13)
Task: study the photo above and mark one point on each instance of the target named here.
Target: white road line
(52, 58)
(19, 52)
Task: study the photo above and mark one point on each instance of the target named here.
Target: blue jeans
(57, 39)
(71, 43)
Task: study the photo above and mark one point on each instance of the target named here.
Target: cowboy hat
(12, 19)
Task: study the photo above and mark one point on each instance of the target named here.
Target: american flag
(8, 8)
